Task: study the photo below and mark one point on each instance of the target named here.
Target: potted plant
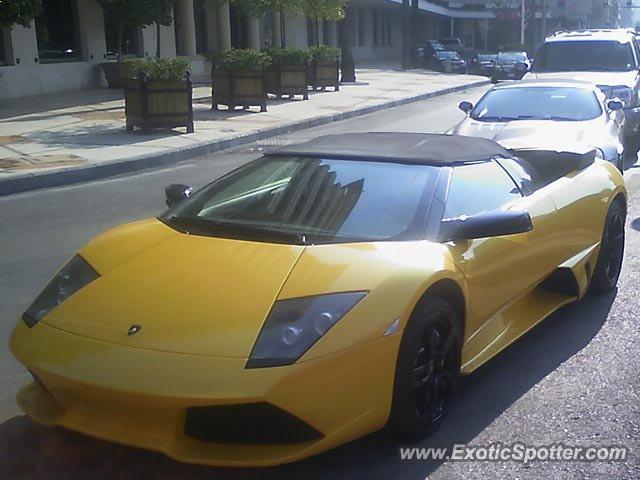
(238, 78)
(158, 94)
(135, 14)
(325, 68)
(288, 74)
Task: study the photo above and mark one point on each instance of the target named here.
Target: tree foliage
(138, 13)
(19, 12)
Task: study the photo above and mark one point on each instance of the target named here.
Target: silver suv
(608, 58)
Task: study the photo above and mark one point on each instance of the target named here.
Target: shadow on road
(28, 450)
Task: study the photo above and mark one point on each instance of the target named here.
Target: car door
(500, 269)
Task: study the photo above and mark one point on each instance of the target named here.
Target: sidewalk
(68, 138)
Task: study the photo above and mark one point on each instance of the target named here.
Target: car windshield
(311, 200)
(537, 103)
(512, 57)
(486, 58)
(448, 54)
(454, 42)
(604, 56)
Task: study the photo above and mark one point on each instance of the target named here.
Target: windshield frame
(220, 228)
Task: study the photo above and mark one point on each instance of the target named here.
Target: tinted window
(324, 199)
(608, 56)
(477, 188)
(57, 31)
(512, 57)
(486, 58)
(537, 103)
(447, 54)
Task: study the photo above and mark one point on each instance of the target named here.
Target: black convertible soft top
(418, 148)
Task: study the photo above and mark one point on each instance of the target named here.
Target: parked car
(454, 44)
(235, 328)
(511, 66)
(428, 52)
(483, 64)
(458, 64)
(607, 58)
(547, 111)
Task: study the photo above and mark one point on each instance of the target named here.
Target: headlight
(71, 278)
(600, 154)
(293, 326)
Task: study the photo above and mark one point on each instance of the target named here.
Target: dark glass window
(479, 187)
(4, 57)
(326, 33)
(324, 199)
(591, 56)
(376, 30)
(58, 32)
(362, 32)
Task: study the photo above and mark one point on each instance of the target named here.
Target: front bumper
(141, 397)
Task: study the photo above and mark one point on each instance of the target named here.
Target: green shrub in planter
(158, 94)
(238, 78)
(325, 67)
(288, 74)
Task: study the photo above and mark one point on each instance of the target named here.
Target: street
(573, 380)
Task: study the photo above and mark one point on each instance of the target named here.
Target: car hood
(211, 296)
(597, 78)
(531, 133)
(190, 294)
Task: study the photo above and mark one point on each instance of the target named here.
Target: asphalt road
(573, 380)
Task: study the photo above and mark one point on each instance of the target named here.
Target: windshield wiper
(204, 226)
(496, 119)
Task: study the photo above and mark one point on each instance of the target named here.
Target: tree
(19, 12)
(137, 14)
(323, 10)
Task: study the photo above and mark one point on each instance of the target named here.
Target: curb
(74, 175)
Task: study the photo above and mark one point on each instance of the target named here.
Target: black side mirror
(176, 193)
(466, 107)
(615, 105)
(484, 225)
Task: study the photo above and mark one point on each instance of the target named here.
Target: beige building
(63, 48)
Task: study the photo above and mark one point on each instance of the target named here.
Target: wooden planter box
(158, 104)
(238, 88)
(113, 73)
(287, 79)
(325, 74)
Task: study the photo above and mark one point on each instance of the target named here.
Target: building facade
(63, 48)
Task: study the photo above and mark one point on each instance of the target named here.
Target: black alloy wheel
(607, 271)
(427, 370)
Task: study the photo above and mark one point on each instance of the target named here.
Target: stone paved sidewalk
(64, 138)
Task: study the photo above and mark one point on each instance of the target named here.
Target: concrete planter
(323, 74)
(151, 104)
(238, 87)
(287, 79)
(113, 72)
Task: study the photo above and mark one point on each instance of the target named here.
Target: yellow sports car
(322, 292)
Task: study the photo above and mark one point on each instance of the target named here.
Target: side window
(636, 50)
(479, 187)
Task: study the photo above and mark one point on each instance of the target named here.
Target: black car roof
(416, 148)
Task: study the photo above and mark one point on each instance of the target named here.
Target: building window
(58, 32)
(131, 41)
(326, 33)
(4, 47)
(376, 30)
(362, 33)
(389, 30)
(202, 28)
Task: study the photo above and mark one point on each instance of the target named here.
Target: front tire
(609, 264)
(427, 370)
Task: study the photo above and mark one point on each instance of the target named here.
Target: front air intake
(249, 424)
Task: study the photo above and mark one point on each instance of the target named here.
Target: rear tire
(427, 371)
(607, 271)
